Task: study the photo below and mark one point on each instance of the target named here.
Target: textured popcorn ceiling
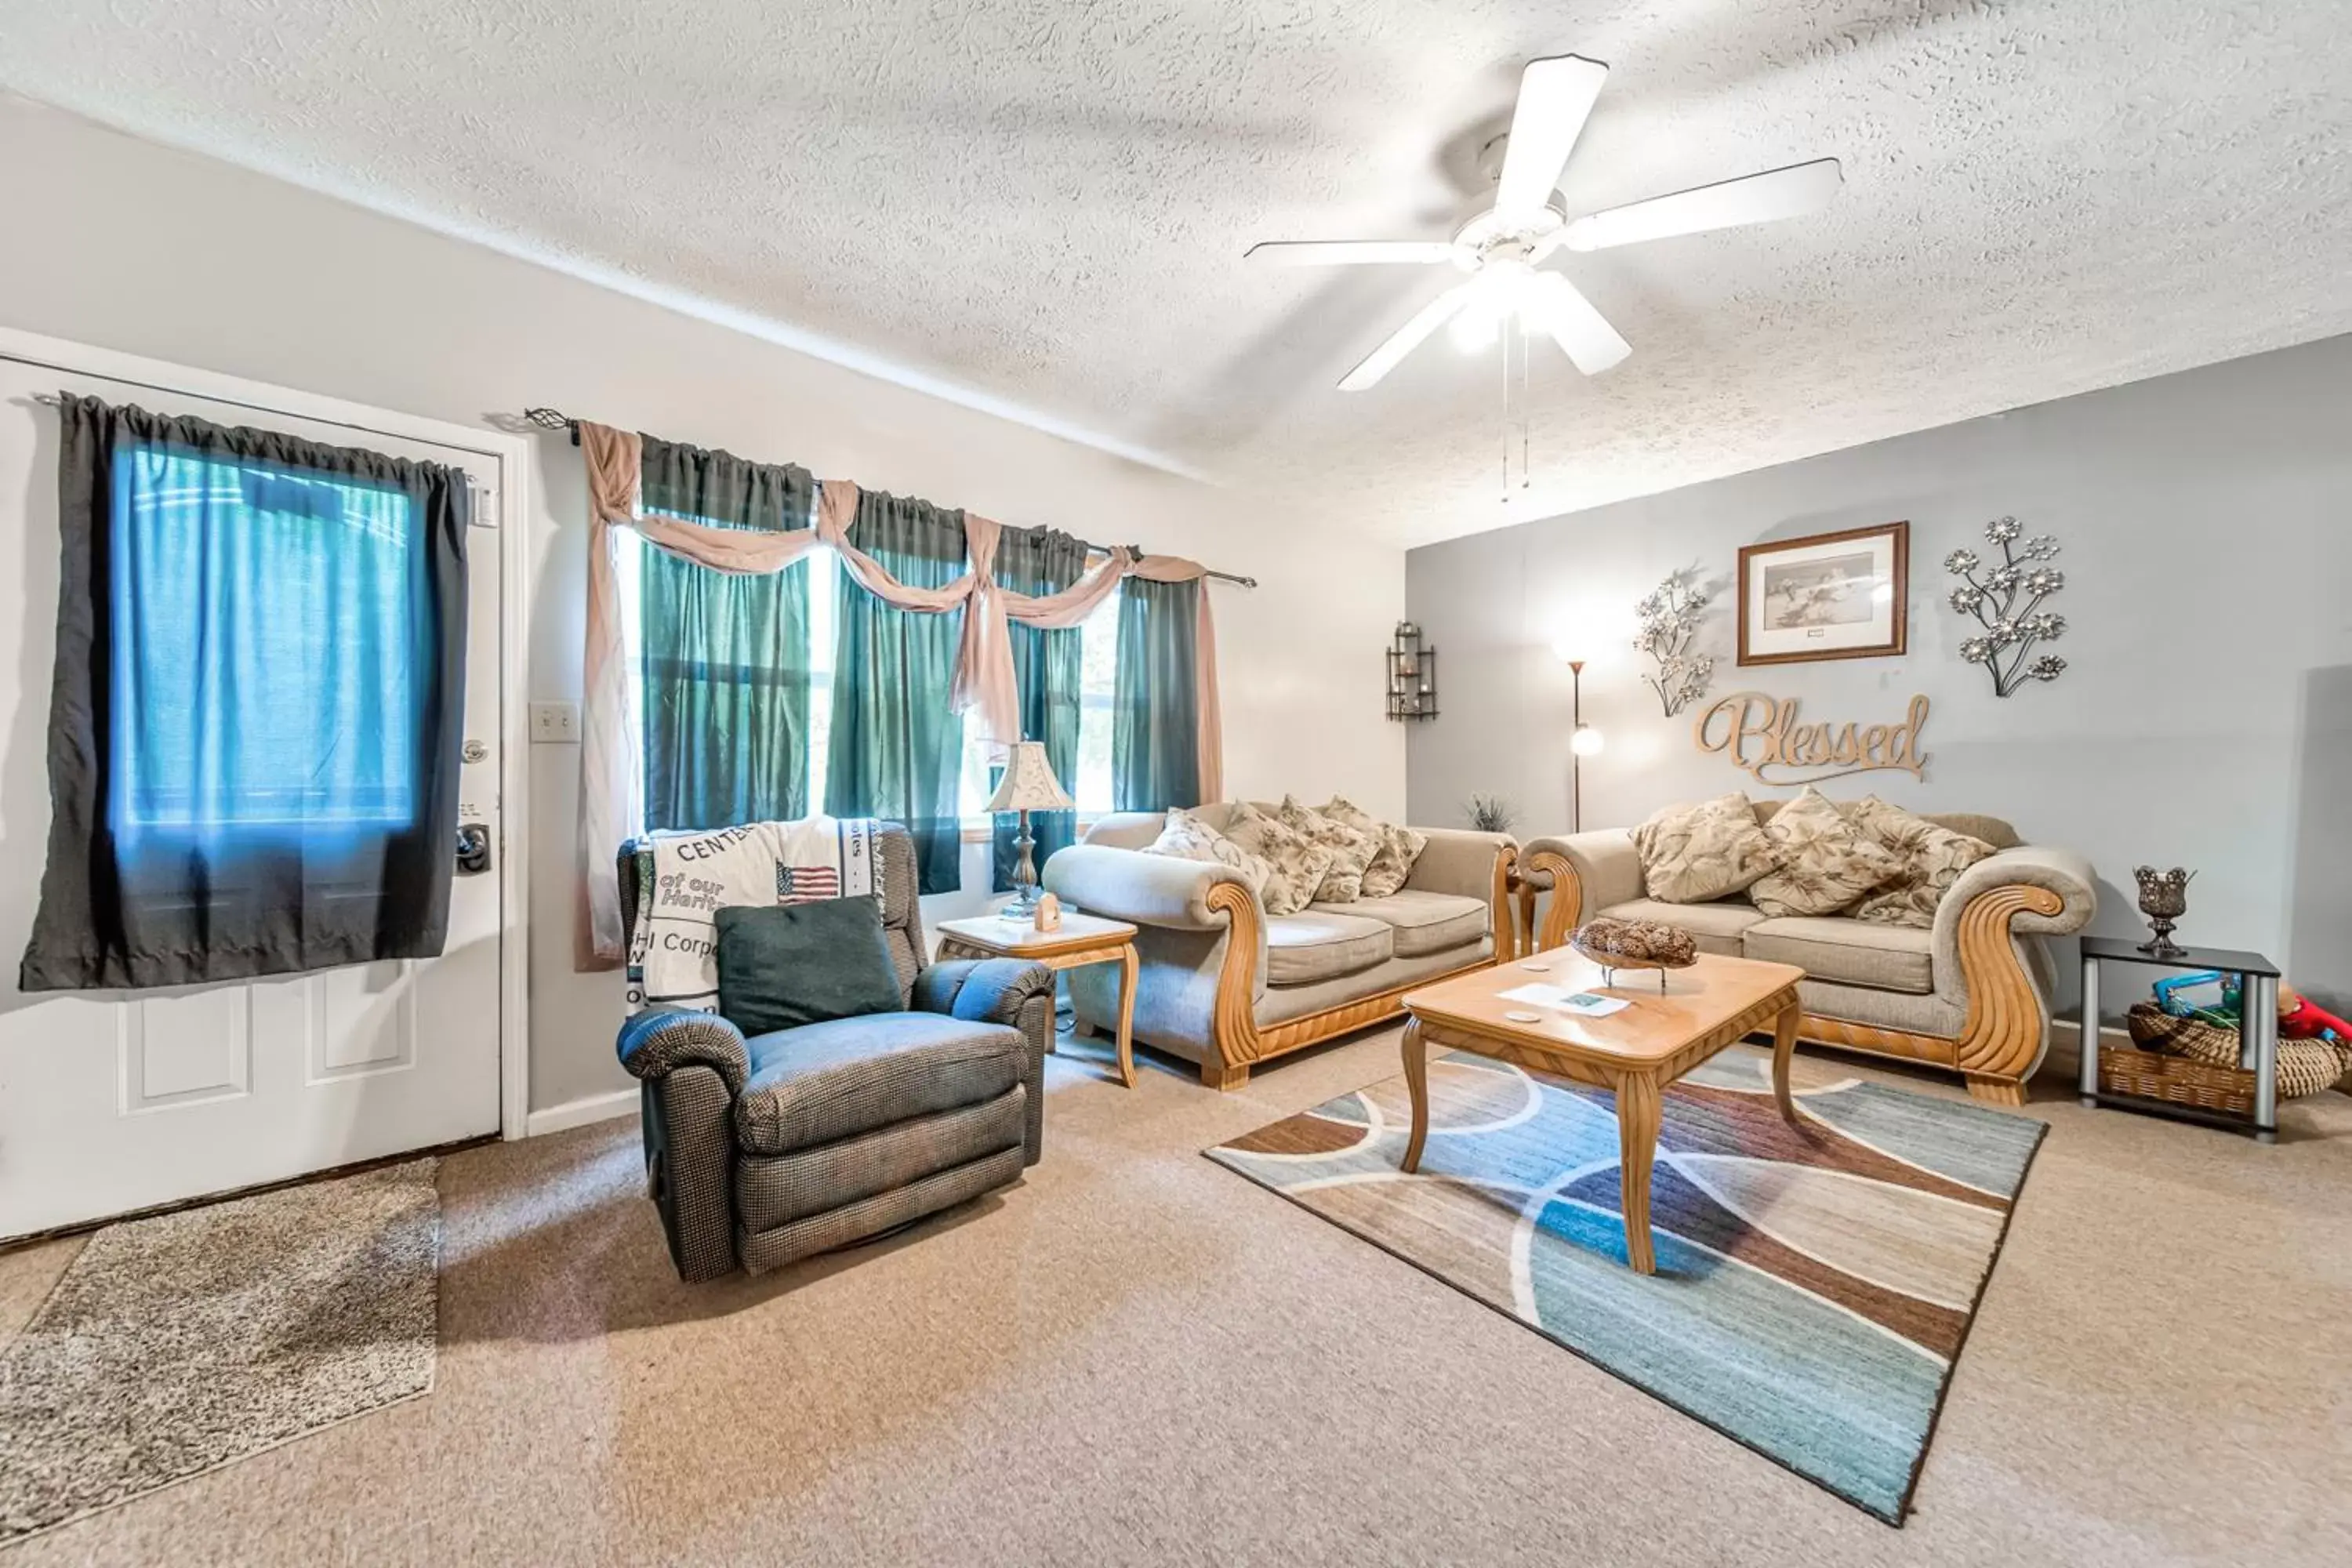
(1042, 204)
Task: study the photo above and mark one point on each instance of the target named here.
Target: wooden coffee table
(1634, 1052)
(1082, 940)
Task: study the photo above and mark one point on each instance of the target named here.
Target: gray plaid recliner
(761, 1151)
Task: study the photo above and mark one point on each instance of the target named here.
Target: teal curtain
(1050, 669)
(1155, 736)
(896, 747)
(725, 666)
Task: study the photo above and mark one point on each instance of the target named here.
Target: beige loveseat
(1972, 993)
(1225, 984)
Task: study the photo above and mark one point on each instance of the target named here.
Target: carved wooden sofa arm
(1979, 964)
(1581, 871)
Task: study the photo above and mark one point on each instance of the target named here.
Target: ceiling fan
(1503, 249)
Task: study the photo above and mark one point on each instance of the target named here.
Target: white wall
(125, 244)
(2206, 520)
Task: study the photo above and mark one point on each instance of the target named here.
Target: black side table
(2257, 1028)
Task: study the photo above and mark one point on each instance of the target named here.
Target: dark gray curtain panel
(256, 714)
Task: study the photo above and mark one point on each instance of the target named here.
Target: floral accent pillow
(1351, 850)
(1826, 863)
(1933, 858)
(1695, 853)
(1398, 849)
(1295, 864)
(1187, 838)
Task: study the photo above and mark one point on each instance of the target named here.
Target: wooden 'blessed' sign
(1762, 734)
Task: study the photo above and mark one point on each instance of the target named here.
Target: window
(823, 569)
(265, 636)
(1099, 640)
(1092, 789)
(722, 697)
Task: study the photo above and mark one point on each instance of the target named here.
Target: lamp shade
(1029, 783)
(1584, 740)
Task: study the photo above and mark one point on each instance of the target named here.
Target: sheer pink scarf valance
(611, 800)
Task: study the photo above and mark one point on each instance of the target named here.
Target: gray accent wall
(2205, 718)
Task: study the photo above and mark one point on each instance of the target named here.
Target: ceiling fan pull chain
(1527, 413)
(1505, 496)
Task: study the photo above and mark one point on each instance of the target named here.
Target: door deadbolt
(473, 848)
(475, 752)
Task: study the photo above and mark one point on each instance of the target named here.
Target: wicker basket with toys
(2188, 1049)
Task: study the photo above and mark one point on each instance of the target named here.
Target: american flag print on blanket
(806, 884)
(674, 950)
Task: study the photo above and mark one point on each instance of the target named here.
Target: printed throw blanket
(687, 878)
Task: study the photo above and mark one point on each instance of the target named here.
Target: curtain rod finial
(553, 419)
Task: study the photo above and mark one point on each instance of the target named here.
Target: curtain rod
(556, 420)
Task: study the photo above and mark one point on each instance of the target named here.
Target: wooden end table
(1633, 1053)
(1083, 940)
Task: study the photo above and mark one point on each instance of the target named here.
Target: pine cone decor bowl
(1615, 944)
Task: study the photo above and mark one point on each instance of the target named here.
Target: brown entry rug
(1814, 1284)
(176, 1344)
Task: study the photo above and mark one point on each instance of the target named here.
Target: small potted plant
(1491, 813)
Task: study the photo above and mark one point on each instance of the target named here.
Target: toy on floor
(2301, 1018)
(2222, 1014)
(2314, 1044)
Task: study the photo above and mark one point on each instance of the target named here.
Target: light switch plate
(554, 724)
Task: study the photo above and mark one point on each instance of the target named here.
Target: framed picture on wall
(1829, 595)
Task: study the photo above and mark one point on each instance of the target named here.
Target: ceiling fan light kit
(1504, 247)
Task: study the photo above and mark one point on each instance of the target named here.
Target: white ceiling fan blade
(1582, 332)
(1347, 252)
(1406, 339)
(1755, 198)
(1555, 99)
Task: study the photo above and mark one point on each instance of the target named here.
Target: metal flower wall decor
(1669, 619)
(2006, 599)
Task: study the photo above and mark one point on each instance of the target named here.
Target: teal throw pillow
(784, 965)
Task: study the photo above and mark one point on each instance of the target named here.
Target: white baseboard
(2066, 1032)
(581, 1112)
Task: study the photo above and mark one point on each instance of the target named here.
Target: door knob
(473, 848)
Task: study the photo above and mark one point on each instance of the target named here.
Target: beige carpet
(1135, 1358)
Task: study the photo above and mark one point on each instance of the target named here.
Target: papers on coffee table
(1560, 998)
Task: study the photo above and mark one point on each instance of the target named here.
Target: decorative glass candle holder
(2163, 899)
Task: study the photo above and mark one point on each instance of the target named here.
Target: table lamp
(1028, 786)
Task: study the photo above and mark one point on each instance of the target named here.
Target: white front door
(115, 1100)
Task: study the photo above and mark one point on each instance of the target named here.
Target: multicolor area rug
(1814, 1285)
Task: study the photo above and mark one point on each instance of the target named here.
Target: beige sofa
(1225, 985)
(1972, 993)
